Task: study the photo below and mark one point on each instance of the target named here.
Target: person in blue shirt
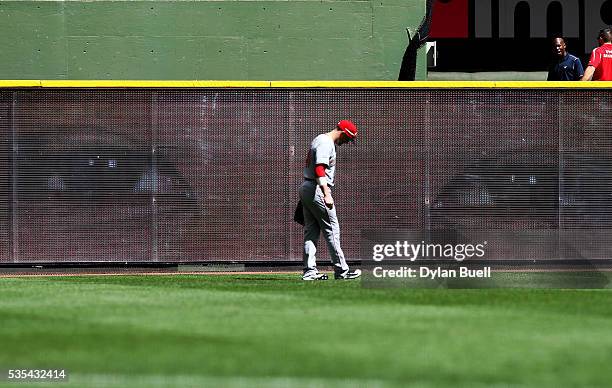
(565, 67)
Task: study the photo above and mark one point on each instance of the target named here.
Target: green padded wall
(238, 40)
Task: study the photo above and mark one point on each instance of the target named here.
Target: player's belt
(314, 180)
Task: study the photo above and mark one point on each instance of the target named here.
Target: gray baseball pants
(318, 219)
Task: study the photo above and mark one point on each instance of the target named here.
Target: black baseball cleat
(348, 274)
(314, 276)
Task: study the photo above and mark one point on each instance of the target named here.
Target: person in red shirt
(600, 65)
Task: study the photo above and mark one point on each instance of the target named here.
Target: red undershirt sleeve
(320, 170)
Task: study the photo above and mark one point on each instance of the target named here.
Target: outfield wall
(216, 39)
(183, 172)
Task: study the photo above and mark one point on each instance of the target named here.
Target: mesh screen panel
(182, 175)
(6, 194)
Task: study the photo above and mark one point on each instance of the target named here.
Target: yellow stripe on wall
(301, 84)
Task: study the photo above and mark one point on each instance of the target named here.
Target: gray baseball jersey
(322, 151)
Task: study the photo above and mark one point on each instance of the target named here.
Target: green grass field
(276, 331)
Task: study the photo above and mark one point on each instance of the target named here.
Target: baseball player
(318, 203)
(600, 64)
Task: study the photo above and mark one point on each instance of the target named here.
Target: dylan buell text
(431, 273)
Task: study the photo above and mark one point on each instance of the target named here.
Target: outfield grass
(273, 330)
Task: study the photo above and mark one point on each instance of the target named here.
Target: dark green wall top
(238, 40)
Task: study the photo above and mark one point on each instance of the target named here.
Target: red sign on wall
(449, 19)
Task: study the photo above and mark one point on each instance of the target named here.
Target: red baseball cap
(348, 128)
